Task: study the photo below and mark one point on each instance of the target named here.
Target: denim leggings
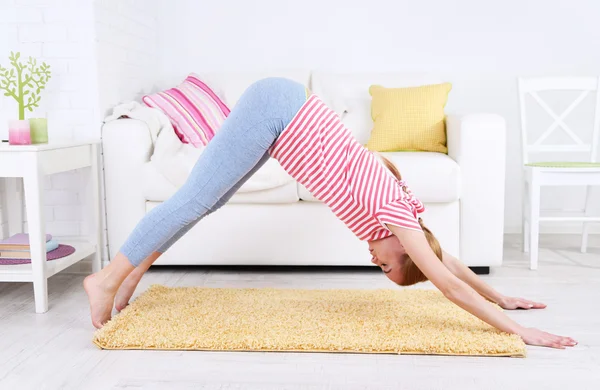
(238, 150)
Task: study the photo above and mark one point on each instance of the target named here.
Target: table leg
(37, 237)
(97, 222)
(14, 203)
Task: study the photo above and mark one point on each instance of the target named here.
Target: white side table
(32, 163)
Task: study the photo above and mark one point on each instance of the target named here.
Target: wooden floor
(54, 351)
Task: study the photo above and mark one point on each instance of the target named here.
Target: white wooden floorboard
(54, 350)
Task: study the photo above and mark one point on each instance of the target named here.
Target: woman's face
(389, 254)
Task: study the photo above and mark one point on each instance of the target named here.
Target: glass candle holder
(38, 128)
(18, 132)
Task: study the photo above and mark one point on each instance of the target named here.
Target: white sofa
(463, 191)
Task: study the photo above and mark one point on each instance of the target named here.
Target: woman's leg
(130, 283)
(128, 286)
(260, 116)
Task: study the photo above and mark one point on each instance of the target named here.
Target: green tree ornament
(24, 81)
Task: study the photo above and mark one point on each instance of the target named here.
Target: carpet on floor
(385, 321)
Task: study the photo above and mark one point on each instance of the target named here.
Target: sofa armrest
(477, 142)
(127, 146)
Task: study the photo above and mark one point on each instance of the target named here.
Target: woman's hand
(532, 336)
(511, 303)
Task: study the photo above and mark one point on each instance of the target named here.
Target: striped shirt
(319, 152)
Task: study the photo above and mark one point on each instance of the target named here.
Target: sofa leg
(481, 270)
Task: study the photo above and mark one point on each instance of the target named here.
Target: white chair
(585, 172)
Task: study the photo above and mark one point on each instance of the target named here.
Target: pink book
(18, 241)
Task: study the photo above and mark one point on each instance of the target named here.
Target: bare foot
(101, 300)
(126, 291)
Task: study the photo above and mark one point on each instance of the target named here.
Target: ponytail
(411, 273)
(391, 167)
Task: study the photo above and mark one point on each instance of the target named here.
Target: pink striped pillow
(195, 111)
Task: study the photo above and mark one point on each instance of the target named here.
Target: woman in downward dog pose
(280, 118)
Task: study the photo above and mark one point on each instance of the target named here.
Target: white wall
(59, 33)
(126, 54)
(101, 52)
(127, 49)
(104, 52)
(481, 47)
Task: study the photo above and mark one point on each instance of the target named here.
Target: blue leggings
(238, 150)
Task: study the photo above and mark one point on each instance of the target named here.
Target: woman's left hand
(510, 303)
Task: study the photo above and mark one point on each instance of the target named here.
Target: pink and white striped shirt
(319, 152)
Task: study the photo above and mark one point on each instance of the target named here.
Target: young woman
(282, 119)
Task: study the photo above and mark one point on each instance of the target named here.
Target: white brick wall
(61, 33)
(127, 49)
(63, 206)
(101, 52)
(43, 33)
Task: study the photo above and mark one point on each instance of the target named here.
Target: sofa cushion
(432, 177)
(156, 186)
(287, 193)
(158, 189)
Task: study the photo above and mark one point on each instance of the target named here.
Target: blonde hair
(410, 272)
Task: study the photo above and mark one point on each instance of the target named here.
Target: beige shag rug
(266, 319)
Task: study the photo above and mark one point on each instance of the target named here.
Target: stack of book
(17, 246)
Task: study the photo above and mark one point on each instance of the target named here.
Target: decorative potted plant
(24, 82)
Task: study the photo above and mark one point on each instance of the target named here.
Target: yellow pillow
(409, 119)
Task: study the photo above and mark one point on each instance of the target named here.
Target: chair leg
(534, 221)
(524, 220)
(586, 225)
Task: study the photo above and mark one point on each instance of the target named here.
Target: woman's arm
(465, 274)
(464, 296)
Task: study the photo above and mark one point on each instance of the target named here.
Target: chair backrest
(586, 86)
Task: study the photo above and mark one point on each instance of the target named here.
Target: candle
(18, 132)
(39, 130)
